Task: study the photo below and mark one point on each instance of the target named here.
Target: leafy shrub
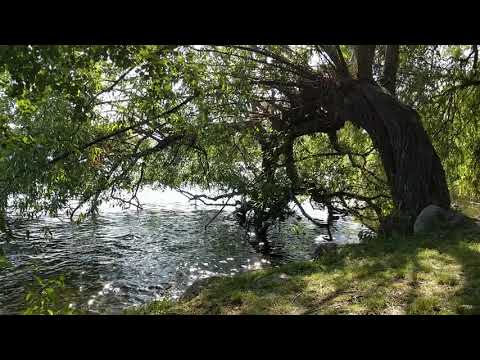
(49, 297)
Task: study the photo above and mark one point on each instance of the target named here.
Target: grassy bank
(3, 260)
(436, 274)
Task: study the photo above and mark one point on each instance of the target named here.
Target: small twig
(218, 213)
(114, 83)
(315, 221)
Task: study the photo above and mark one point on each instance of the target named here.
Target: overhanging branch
(118, 132)
(335, 54)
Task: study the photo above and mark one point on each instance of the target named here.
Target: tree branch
(301, 70)
(118, 132)
(115, 83)
(364, 55)
(315, 221)
(390, 68)
(335, 54)
(200, 197)
(218, 213)
(464, 85)
(475, 57)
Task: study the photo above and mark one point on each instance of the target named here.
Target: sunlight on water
(128, 257)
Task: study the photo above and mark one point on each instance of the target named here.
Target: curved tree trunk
(414, 171)
(413, 168)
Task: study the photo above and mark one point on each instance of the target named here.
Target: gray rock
(434, 218)
(323, 248)
(195, 289)
(431, 219)
(270, 280)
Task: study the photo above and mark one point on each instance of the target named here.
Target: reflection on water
(129, 257)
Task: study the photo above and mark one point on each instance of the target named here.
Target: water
(127, 257)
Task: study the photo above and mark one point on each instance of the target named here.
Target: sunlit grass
(3, 260)
(437, 274)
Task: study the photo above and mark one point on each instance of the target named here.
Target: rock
(434, 218)
(270, 280)
(323, 248)
(195, 289)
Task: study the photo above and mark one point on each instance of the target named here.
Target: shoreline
(428, 274)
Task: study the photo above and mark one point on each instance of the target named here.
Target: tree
(323, 102)
(414, 172)
(272, 124)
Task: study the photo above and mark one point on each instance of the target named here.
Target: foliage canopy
(95, 123)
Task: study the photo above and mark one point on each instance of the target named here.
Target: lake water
(127, 257)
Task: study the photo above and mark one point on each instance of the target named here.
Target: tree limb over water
(333, 123)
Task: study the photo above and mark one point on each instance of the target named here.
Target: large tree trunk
(413, 169)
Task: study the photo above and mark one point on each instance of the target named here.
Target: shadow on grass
(436, 274)
(430, 274)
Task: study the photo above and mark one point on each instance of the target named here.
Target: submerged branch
(201, 197)
(218, 213)
(313, 220)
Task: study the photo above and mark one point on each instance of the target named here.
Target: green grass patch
(435, 274)
(3, 261)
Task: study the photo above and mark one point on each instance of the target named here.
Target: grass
(3, 260)
(436, 274)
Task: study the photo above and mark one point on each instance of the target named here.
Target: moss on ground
(436, 274)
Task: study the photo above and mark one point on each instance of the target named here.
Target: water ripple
(122, 259)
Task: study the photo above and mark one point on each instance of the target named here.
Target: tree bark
(413, 168)
(390, 68)
(335, 54)
(364, 55)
